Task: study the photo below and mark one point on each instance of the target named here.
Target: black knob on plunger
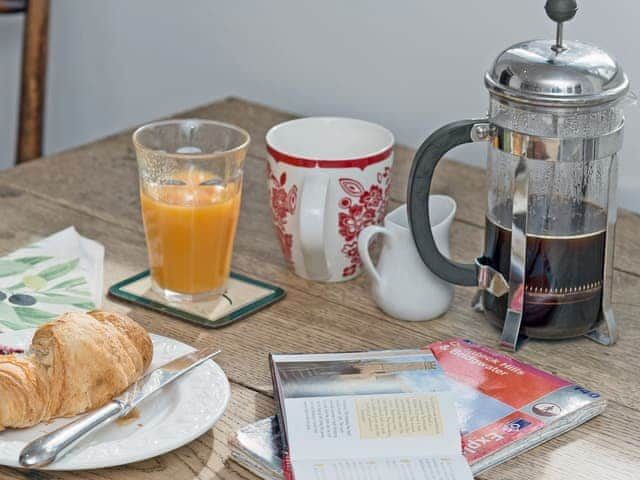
(561, 10)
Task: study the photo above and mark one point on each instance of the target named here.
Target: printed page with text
(374, 415)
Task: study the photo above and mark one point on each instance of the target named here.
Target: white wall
(411, 65)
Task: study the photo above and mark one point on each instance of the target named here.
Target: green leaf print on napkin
(59, 270)
(85, 306)
(60, 298)
(18, 265)
(67, 284)
(10, 319)
(41, 279)
(17, 318)
(33, 260)
(27, 304)
(12, 267)
(33, 316)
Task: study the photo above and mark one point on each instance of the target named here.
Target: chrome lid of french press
(556, 72)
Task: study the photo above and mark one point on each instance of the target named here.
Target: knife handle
(52, 446)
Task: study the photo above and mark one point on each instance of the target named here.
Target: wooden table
(95, 188)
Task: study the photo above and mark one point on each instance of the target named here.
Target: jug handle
(364, 239)
(424, 163)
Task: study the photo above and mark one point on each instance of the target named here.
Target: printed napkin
(58, 274)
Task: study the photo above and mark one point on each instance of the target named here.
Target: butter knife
(53, 446)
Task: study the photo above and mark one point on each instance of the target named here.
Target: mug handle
(424, 164)
(363, 249)
(313, 199)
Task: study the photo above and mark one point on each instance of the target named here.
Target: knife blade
(53, 446)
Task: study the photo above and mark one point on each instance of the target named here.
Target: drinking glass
(190, 175)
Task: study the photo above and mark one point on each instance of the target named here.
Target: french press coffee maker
(555, 129)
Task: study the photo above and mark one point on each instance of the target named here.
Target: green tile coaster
(243, 297)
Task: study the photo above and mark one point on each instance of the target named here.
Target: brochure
(504, 407)
(369, 415)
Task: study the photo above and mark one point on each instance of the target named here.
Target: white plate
(171, 418)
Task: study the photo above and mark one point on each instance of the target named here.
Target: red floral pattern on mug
(369, 210)
(351, 223)
(283, 204)
(372, 198)
(350, 249)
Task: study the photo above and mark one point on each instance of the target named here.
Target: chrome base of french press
(493, 282)
(599, 335)
(606, 333)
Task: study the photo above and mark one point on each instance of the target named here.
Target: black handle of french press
(424, 165)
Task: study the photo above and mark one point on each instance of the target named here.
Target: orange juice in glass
(190, 188)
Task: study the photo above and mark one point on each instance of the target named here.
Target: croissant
(78, 362)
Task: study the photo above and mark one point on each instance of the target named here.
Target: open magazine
(504, 407)
(369, 415)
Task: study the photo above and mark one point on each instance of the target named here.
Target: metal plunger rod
(560, 11)
(559, 44)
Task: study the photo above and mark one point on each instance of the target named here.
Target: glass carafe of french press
(554, 129)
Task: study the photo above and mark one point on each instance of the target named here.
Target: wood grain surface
(94, 187)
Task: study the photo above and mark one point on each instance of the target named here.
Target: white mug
(402, 285)
(329, 178)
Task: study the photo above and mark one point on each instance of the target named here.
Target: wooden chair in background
(34, 67)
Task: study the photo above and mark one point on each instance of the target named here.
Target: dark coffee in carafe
(564, 271)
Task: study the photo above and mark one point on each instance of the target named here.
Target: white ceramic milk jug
(402, 285)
